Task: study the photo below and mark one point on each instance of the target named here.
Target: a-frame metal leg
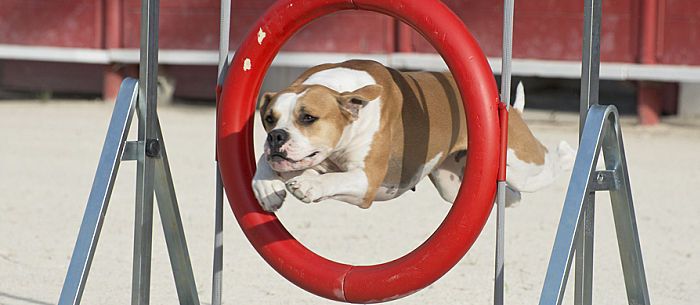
(601, 131)
(115, 150)
(100, 193)
(172, 227)
(624, 215)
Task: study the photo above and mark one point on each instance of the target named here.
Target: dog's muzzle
(275, 139)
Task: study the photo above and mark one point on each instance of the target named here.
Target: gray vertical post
(583, 291)
(590, 68)
(217, 272)
(499, 277)
(146, 110)
(218, 262)
(506, 60)
(224, 30)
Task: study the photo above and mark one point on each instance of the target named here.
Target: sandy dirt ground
(49, 153)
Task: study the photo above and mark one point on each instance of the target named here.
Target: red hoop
(462, 225)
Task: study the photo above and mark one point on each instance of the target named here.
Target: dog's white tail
(567, 155)
(519, 104)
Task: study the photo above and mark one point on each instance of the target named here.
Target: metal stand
(599, 129)
(153, 176)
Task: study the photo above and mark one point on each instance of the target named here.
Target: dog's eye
(308, 119)
(269, 119)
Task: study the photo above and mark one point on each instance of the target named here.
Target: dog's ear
(265, 100)
(356, 100)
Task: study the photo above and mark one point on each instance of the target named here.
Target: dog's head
(304, 123)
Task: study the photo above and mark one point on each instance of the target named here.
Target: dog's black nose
(277, 138)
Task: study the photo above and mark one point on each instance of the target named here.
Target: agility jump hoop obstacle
(341, 282)
(238, 86)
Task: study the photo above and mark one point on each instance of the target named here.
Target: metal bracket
(601, 132)
(605, 180)
(131, 150)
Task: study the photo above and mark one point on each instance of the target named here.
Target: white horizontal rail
(55, 54)
(416, 61)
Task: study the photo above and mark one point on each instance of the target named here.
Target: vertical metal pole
(217, 272)
(146, 110)
(508, 7)
(498, 293)
(590, 69)
(217, 275)
(499, 280)
(224, 30)
(583, 293)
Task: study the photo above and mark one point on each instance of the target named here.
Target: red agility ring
(427, 263)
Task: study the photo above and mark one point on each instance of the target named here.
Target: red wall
(678, 28)
(544, 29)
(194, 24)
(60, 23)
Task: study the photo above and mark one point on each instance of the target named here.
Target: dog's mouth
(279, 156)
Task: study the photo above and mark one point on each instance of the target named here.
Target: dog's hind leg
(513, 196)
(447, 177)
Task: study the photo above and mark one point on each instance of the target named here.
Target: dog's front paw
(307, 188)
(270, 193)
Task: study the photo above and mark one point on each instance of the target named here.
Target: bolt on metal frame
(153, 176)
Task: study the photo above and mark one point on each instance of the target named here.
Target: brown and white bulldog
(358, 131)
